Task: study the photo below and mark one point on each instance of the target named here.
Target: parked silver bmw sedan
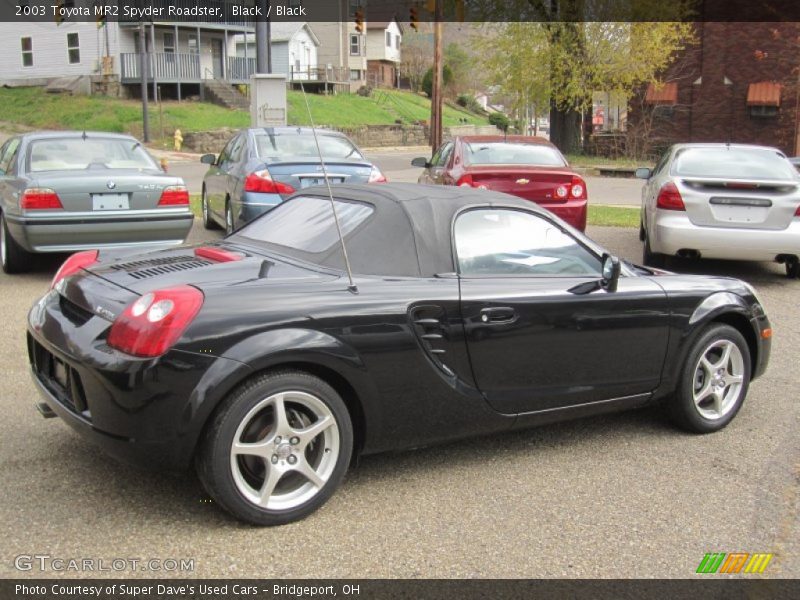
(723, 201)
(67, 191)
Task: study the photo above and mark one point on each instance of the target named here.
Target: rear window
(306, 224)
(507, 153)
(275, 147)
(75, 154)
(732, 163)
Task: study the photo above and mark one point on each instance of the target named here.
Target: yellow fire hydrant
(178, 137)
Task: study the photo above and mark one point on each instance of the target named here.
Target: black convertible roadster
(470, 312)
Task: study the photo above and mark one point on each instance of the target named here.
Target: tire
(650, 258)
(793, 269)
(698, 405)
(208, 220)
(278, 473)
(642, 233)
(229, 226)
(13, 257)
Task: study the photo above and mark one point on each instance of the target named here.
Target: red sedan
(529, 167)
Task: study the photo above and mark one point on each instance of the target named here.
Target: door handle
(498, 314)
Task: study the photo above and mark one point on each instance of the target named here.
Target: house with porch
(383, 53)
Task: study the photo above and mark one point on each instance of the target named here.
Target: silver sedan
(721, 201)
(69, 191)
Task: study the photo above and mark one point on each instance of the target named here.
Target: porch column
(155, 61)
(178, 61)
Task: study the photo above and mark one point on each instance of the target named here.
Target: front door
(216, 58)
(536, 342)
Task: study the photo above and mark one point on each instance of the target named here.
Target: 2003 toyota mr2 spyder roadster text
(258, 359)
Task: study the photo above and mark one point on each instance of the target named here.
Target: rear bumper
(572, 211)
(674, 231)
(80, 231)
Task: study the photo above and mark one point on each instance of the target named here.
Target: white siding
(376, 44)
(302, 52)
(50, 58)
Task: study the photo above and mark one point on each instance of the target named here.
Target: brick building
(738, 83)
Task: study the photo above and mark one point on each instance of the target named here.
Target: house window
(355, 74)
(73, 48)
(27, 51)
(764, 99)
(763, 112)
(397, 42)
(192, 44)
(355, 45)
(388, 39)
(169, 43)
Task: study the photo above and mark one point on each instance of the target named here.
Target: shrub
(427, 81)
(499, 120)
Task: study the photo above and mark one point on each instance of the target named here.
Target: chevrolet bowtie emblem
(523, 181)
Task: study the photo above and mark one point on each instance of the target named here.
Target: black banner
(370, 589)
(244, 12)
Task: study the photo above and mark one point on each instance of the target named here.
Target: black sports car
(471, 312)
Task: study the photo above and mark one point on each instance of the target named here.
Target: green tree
(427, 81)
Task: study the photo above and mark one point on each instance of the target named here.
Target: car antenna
(351, 286)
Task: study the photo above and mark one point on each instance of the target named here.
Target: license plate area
(110, 202)
(740, 210)
(312, 181)
(59, 373)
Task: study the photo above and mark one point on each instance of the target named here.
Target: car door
(9, 185)
(234, 167)
(216, 181)
(652, 186)
(536, 341)
(433, 174)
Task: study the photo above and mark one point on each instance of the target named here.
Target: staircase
(224, 94)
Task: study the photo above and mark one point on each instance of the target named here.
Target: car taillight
(39, 199)
(152, 324)
(174, 195)
(262, 182)
(466, 181)
(577, 188)
(217, 254)
(797, 212)
(376, 176)
(76, 262)
(669, 198)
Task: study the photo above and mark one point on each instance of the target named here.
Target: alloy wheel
(285, 450)
(718, 379)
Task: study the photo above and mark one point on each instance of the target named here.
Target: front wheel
(714, 381)
(277, 449)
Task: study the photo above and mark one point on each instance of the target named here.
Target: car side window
(661, 162)
(9, 152)
(236, 150)
(448, 152)
(442, 156)
(504, 241)
(225, 155)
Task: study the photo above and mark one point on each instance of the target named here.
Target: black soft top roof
(409, 234)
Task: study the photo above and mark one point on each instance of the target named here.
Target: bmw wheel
(277, 449)
(714, 380)
(13, 257)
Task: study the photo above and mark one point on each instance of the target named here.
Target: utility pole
(143, 64)
(263, 42)
(436, 95)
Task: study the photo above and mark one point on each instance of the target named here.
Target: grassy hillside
(32, 107)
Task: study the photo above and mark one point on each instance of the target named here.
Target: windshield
(733, 163)
(306, 224)
(74, 154)
(275, 147)
(505, 153)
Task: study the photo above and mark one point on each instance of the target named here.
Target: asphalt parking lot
(624, 495)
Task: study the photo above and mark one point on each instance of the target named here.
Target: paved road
(615, 496)
(396, 165)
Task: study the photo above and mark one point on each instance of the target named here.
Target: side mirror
(208, 159)
(643, 173)
(421, 162)
(611, 269)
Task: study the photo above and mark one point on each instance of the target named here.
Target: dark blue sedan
(260, 167)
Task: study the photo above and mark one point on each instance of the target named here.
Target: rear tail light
(466, 181)
(577, 189)
(669, 198)
(797, 212)
(39, 198)
(376, 176)
(152, 324)
(174, 195)
(262, 182)
(562, 191)
(76, 262)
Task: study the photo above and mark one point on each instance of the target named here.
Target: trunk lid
(739, 203)
(537, 184)
(303, 174)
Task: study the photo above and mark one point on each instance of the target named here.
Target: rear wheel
(650, 258)
(13, 257)
(641, 231)
(714, 381)
(277, 449)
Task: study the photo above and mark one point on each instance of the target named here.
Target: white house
(293, 49)
(384, 39)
